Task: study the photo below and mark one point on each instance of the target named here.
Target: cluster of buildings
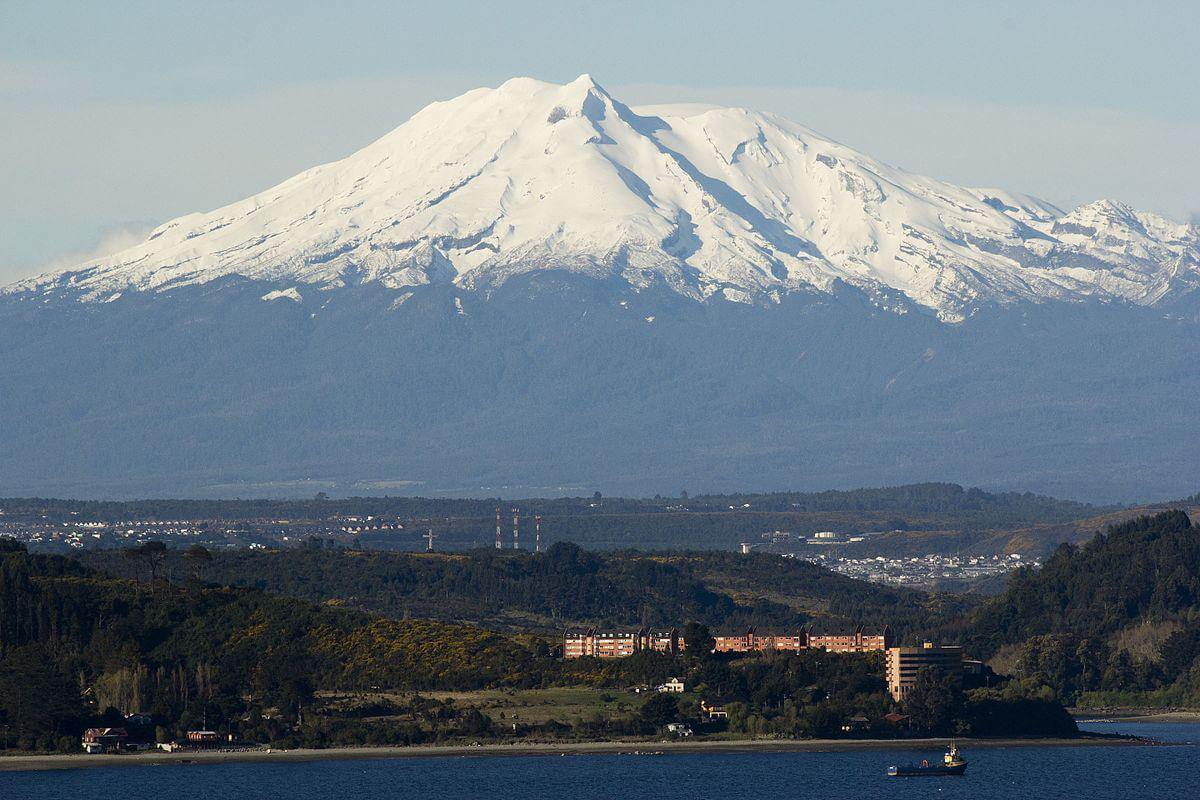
(921, 571)
(110, 740)
(779, 541)
(903, 664)
(119, 740)
(619, 644)
(67, 535)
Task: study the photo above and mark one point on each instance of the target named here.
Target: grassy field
(525, 706)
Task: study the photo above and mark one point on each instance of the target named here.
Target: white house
(674, 686)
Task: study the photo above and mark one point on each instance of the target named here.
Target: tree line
(1112, 621)
(566, 586)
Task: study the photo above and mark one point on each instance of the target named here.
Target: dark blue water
(1180, 733)
(1027, 773)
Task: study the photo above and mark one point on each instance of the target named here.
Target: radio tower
(429, 537)
(498, 544)
(516, 539)
(537, 533)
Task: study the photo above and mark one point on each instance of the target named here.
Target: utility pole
(537, 533)
(498, 544)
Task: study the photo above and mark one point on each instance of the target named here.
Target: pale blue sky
(115, 116)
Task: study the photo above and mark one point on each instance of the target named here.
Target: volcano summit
(533, 176)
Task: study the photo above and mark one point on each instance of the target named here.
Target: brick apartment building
(608, 644)
(860, 641)
(619, 644)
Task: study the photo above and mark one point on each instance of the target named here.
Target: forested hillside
(80, 648)
(568, 586)
(1119, 615)
(69, 635)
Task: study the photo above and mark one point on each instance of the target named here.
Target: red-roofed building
(105, 740)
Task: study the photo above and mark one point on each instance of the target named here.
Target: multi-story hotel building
(903, 664)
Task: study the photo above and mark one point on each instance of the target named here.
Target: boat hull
(923, 772)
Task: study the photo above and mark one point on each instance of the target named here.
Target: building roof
(95, 732)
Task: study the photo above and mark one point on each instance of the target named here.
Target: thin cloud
(112, 240)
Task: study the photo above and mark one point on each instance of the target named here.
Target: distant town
(930, 570)
(389, 532)
(55, 535)
(922, 571)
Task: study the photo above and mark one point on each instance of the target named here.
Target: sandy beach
(81, 760)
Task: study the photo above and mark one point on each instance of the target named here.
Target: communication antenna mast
(429, 537)
(537, 533)
(498, 544)
(516, 531)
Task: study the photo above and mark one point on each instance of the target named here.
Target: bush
(659, 711)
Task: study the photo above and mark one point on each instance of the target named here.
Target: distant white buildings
(921, 570)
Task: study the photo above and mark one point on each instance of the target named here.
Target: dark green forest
(70, 635)
(1114, 621)
(566, 587)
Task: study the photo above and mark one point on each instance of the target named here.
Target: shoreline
(25, 763)
(1135, 714)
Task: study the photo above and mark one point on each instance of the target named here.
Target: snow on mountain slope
(710, 201)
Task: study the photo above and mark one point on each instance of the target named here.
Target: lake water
(1024, 773)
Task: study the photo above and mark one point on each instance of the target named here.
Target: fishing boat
(952, 764)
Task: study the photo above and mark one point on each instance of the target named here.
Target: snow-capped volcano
(721, 202)
(537, 286)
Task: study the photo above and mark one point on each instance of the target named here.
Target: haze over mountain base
(554, 383)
